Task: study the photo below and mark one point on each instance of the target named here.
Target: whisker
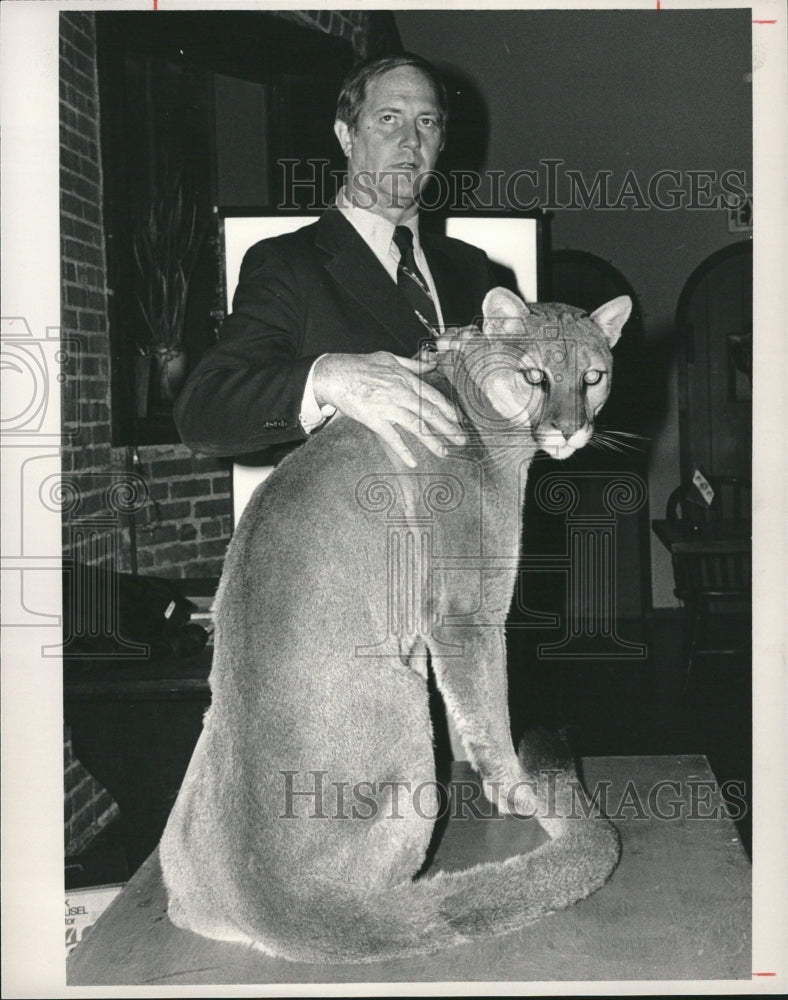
(619, 448)
(608, 446)
(612, 442)
(624, 445)
(610, 436)
(494, 457)
(627, 434)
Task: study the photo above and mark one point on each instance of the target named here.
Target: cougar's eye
(533, 376)
(592, 377)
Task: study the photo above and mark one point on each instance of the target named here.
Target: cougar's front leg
(474, 686)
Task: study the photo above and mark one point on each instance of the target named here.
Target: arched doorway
(714, 325)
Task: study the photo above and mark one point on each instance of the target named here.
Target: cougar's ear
(504, 313)
(611, 317)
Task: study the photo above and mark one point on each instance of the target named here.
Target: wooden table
(677, 907)
(711, 563)
(134, 725)
(703, 537)
(99, 681)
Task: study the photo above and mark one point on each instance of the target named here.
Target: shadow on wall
(467, 137)
(465, 152)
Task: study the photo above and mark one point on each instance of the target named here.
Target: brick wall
(181, 504)
(83, 286)
(88, 807)
(168, 509)
(371, 32)
(184, 528)
(348, 24)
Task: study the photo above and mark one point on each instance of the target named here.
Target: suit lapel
(356, 268)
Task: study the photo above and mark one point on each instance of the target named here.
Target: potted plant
(166, 243)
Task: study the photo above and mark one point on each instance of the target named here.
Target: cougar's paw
(495, 793)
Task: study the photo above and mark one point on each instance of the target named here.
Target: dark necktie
(411, 281)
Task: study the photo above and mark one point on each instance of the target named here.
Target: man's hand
(454, 337)
(384, 392)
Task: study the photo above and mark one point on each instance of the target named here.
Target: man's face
(395, 143)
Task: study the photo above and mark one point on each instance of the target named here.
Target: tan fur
(317, 669)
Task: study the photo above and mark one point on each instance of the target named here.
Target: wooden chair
(707, 582)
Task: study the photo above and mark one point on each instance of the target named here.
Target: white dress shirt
(378, 234)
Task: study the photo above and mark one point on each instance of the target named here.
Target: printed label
(703, 486)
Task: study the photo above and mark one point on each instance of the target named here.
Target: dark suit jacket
(320, 289)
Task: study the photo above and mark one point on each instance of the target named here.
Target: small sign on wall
(703, 486)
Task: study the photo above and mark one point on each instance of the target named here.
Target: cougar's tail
(452, 908)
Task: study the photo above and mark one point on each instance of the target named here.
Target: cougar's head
(544, 369)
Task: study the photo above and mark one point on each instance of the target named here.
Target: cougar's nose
(567, 426)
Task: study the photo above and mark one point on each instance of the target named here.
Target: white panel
(246, 479)
(242, 233)
(508, 241)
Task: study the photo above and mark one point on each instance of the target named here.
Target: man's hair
(354, 88)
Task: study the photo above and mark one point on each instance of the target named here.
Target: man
(331, 317)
